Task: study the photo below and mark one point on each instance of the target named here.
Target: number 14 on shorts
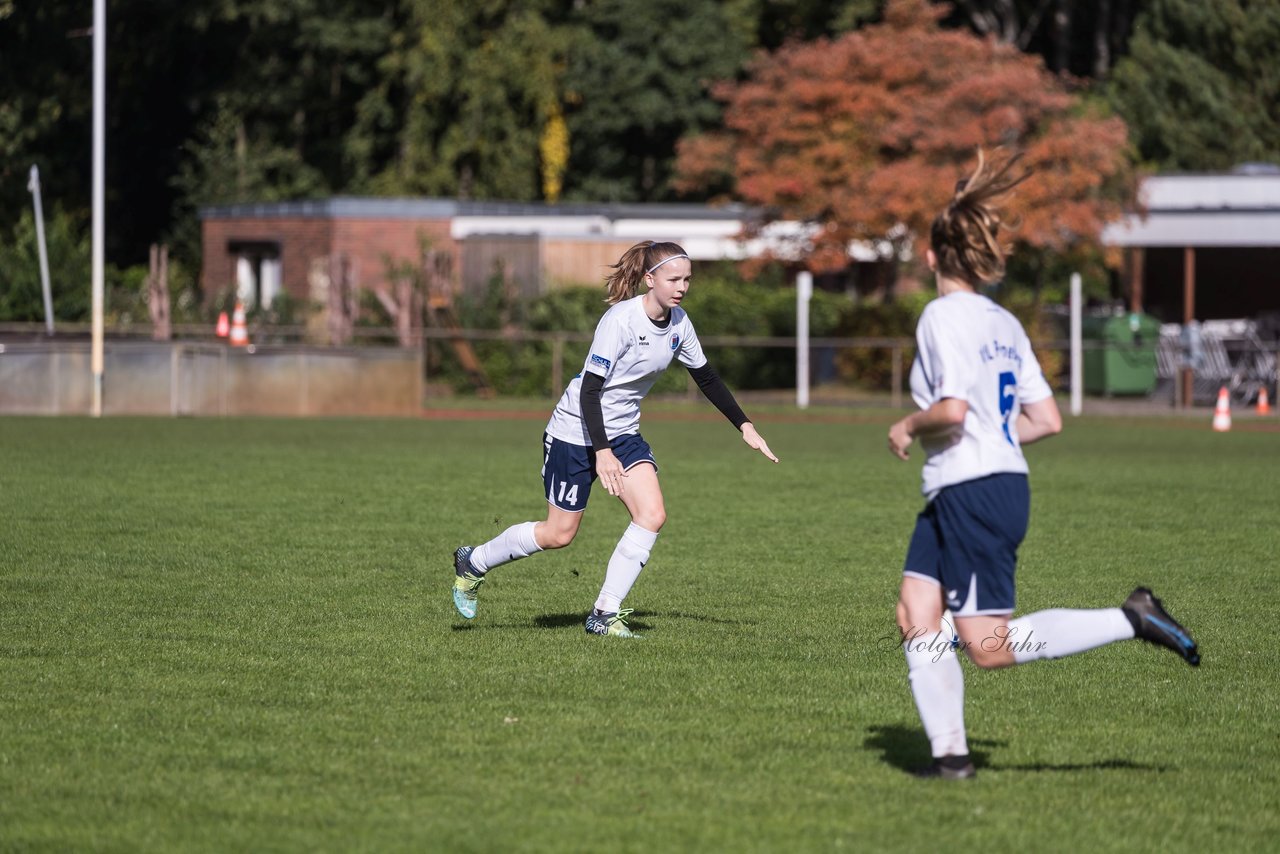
(568, 493)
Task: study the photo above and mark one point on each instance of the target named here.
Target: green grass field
(237, 635)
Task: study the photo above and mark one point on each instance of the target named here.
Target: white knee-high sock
(512, 544)
(937, 684)
(1060, 632)
(630, 556)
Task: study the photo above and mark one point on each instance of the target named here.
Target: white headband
(663, 261)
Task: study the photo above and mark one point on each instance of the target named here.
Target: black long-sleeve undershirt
(592, 413)
(706, 378)
(719, 395)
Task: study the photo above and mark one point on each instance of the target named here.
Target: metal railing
(900, 350)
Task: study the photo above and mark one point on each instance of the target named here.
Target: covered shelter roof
(1239, 208)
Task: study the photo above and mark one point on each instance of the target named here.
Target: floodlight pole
(1077, 347)
(804, 293)
(33, 184)
(99, 146)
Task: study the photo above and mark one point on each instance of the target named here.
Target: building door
(257, 272)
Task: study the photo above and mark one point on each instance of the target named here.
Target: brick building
(261, 250)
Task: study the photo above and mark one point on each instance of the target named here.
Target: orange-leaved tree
(863, 137)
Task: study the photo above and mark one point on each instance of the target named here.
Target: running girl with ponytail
(982, 397)
(595, 432)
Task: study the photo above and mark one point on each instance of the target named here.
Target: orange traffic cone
(1264, 405)
(1222, 412)
(223, 329)
(240, 333)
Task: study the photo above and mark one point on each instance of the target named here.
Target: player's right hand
(610, 471)
(900, 439)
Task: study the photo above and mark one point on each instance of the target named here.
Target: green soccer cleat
(610, 624)
(465, 583)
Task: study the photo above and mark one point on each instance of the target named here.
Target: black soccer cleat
(948, 768)
(1152, 623)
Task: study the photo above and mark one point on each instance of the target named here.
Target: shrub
(69, 254)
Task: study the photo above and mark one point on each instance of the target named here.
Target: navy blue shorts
(568, 470)
(967, 541)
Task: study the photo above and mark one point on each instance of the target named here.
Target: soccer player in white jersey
(982, 397)
(595, 432)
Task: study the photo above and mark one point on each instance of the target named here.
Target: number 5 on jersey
(1008, 396)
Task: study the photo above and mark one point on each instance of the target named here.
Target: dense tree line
(526, 99)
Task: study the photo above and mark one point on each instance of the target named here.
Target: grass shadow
(473, 626)
(563, 621)
(637, 620)
(906, 749)
(1100, 765)
(548, 621)
(560, 621)
(701, 618)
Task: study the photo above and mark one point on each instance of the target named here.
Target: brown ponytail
(628, 274)
(966, 236)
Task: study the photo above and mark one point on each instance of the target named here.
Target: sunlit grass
(237, 635)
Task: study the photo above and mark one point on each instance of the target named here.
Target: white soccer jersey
(971, 349)
(630, 351)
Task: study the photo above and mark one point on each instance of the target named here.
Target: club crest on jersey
(675, 342)
(601, 361)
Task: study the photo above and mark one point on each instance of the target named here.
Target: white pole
(804, 292)
(33, 184)
(1077, 348)
(99, 146)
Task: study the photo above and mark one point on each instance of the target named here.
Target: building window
(257, 272)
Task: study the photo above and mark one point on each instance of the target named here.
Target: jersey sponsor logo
(601, 361)
(675, 342)
(644, 342)
(996, 350)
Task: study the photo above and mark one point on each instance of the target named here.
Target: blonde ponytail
(965, 237)
(628, 274)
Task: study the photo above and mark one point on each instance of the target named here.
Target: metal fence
(1244, 375)
(198, 374)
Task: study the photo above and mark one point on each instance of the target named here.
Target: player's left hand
(900, 439)
(756, 441)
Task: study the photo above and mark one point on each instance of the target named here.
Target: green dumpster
(1122, 356)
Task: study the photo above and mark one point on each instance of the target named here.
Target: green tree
(45, 105)
(774, 22)
(638, 80)
(463, 99)
(1080, 37)
(274, 125)
(225, 164)
(289, 71)
(1201, 86)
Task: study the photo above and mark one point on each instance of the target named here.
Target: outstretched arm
(718, 393)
